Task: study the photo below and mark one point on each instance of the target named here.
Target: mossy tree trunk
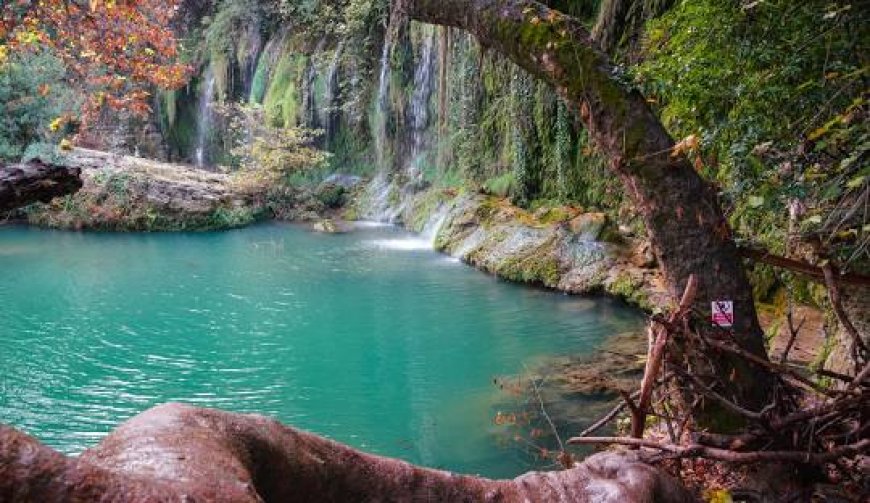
(689, 232)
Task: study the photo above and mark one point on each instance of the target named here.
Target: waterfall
(424, 73)
(434, 225)
(265, 64)
(382, 106)
(310, 115)
(423, 241)
(378, 195)
(328, 109)
(204, 117)
(250, 61)
(390, 197)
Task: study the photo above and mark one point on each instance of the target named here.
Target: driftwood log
(176, 452)
(35, 181)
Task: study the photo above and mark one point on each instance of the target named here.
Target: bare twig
(834, 375)
(607, 417)
(547, 416)
(793, 333)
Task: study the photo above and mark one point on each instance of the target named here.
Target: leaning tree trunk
(687, 228)
(23, 184)
(176, 452)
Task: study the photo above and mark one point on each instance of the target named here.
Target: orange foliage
(115, 51)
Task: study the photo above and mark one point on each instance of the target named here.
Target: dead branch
(547, 416)
(607, 417)
(833, 375)
(803, 268)
(701, 451)
(836, 304)
(658, 340)
(793, 333)
(707, 391)
(860, 378)
(783, 371)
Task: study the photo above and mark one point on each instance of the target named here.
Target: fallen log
(176, 452)
(35, 181)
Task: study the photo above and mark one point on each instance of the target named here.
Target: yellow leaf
(66, 145)
(56, 124)
(818, 133)
(688, 143)
(718, 496)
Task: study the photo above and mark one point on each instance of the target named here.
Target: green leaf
(755, 201)
(856, 182)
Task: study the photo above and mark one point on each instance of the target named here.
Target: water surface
(367, 338)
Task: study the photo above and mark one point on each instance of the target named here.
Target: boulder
(588, 225)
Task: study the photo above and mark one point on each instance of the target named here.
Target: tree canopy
(114, 51)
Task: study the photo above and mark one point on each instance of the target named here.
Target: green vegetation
(775, 94)
(33, 100)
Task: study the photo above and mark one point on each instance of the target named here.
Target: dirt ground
(810, 339)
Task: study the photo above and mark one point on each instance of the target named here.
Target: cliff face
(391, 97)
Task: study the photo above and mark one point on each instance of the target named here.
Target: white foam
(405, 244)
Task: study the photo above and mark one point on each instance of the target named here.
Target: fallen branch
(836, 304)
(702, 451)
(860, 378)
(805, 269)
(607, 417)
(784, 371)
(658, 334)
(707, 391)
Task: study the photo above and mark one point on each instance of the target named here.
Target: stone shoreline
(561, 248)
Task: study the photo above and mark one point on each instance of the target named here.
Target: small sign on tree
(722, 313)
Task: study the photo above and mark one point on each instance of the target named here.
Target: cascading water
(424, 74)
(423, 241)
(379, 131)
(328, 108)
(204, 117)
(265, 65)
(250, 61)
(310, 107)
(387, 200)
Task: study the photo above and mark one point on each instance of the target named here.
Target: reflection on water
(392, 349)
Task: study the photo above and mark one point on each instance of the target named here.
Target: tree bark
(688, 230)
(176, 452)
(23, 184)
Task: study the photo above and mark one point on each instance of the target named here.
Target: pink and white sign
(722, 313)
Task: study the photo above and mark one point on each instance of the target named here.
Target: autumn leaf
(685, 145)
(112, 51)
